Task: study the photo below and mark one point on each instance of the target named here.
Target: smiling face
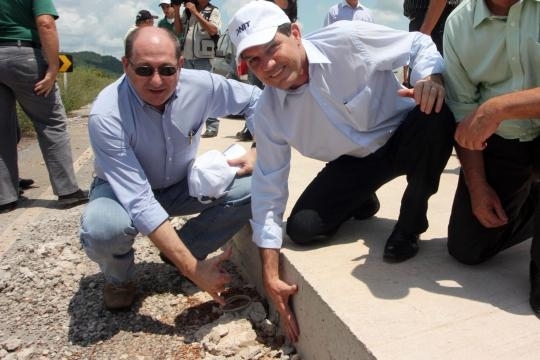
(281, 63)
(154, 48)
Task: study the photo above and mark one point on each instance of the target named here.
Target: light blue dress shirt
(349, 106)
(137, 148)
(344, 11)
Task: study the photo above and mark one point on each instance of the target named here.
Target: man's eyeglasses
(146, 71)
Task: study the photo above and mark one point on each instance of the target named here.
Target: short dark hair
(291, 11)
(132, 36)
(284, 29)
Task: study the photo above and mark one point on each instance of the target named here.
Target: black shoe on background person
(244, 134)
(25, 184)
(534, 297)
(209, 133)
(400, 246)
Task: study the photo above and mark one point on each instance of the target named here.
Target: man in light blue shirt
(348, 10)
(145, 129)
(334, 97)
(492, 50)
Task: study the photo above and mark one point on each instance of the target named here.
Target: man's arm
(433, 14)
(48, 36)
(209, 26)
(279, 291)
(473, 132)
(206, 274)
(177, 20)
(485, 203)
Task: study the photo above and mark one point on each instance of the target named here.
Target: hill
(108, 64)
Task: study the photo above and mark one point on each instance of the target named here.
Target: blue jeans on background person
(107, 232)
(212, 124)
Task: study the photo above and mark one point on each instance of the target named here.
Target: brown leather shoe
(119, 297)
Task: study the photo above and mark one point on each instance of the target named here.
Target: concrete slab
(352, 305)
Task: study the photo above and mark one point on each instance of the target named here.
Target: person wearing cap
(145, 130)
(143, 18)
(349, 111)
(28, 69)
(171, 19)
(350, 10)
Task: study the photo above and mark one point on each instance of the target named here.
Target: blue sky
(100, 25)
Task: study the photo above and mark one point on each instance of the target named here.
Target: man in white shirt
(348, 10)
(350, 111)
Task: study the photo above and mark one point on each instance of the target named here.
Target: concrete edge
(323, 334)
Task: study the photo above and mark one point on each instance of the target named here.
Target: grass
(83, 85)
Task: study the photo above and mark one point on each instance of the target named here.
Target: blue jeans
(203, 64)
(107, 232)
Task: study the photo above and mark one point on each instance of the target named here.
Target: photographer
(201, 21)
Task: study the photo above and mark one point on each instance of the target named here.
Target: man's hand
(474, 130)
(209, 276)
(279, 293)
(487, 207)
(45, 85)
(428, 93)
(245, 163)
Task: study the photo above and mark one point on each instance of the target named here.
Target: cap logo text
(242, 27)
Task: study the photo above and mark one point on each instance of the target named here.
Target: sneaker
(78, 197)
(118, 297)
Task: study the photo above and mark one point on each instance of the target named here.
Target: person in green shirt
(28, 68)
(171, 19)
(492, 56)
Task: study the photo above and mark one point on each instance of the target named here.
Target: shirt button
(170, 159)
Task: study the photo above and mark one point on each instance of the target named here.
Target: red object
(241, 68)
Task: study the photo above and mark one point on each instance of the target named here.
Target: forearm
(167, 241)
(48, 36)
(210, 28)
(433, 14)
(515, 105)
(270, 264)
(472, 165)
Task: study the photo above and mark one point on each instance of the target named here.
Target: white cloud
(100, 25)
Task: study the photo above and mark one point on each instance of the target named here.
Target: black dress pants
(513, 171)
(419, 149)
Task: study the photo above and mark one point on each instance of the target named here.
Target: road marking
(10, 234)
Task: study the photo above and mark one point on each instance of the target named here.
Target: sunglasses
(163, 70)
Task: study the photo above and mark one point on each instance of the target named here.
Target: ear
(295, 31)
(180, 62)
(125, 63)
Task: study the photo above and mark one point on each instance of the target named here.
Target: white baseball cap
(255, 24)
(209, 176)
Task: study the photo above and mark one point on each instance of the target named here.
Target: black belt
(20, 43)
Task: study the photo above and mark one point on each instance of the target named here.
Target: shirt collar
(481, 12)
(314, 57)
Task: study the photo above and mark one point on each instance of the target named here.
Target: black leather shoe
(400, 246)
(244, 134)
(368, 208)
(209, 133)
(25, 183)
(534, 297)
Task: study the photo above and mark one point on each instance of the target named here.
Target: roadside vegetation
(83, 85)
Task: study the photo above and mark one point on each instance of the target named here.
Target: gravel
(51, 305)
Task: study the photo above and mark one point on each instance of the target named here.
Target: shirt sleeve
(462, 94)
(269, 181)
(117, 160)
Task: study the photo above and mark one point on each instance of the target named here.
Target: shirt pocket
(360, 109)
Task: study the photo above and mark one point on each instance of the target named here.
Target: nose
(156, 79)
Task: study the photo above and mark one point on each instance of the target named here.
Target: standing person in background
(171, 19)
(201, 21)
(143, 18)
(492, 59)
(349, 111)
(428, 17)
(28, 68)
(348, 10)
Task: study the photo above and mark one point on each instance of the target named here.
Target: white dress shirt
(349, 106)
